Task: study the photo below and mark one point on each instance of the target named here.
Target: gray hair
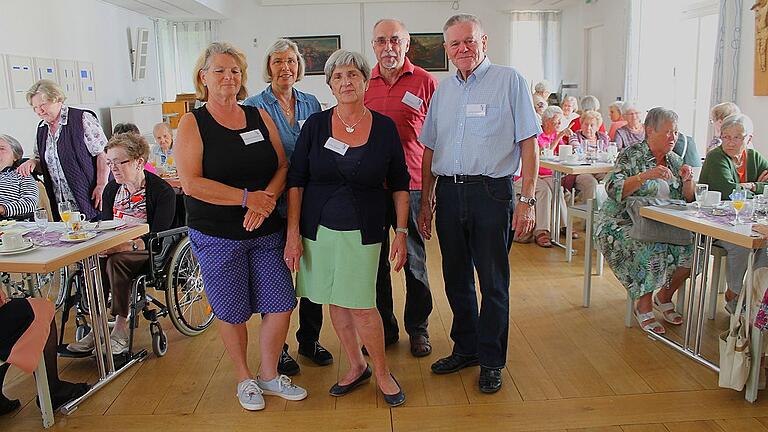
(163, 125)
(629, 106)
(723, 110)
(394, 20)
(541, 87)
(573, 100)
(282, 45)
(343, 57)
(50, 91)
(462, 18)
(617, 105)
(741, 120)
(589, 103)
(657, 116)
(550, 112)
(15, 145)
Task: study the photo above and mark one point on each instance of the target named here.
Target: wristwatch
(402, 230)
(134, 246)
(531, 201)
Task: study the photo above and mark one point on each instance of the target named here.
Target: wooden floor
(569, 368)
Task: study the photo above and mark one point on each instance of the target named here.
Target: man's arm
(524, 216)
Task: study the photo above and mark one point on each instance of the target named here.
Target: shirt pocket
(486, 126)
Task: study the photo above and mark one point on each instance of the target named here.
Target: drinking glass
(41, 220)
(738, 200)
(65, 210)
(761, 207)
(701, 192)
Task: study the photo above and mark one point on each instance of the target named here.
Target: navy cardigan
(314, 168)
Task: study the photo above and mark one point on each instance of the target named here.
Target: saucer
(81, 237)
(27, 245)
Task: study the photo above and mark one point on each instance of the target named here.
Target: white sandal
(668, 311)
(653, 327)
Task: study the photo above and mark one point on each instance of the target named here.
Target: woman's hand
(252, 220)
(658, 172)
(763, 177)
(261, 202)
(293, 251)
(27, 168)
(686, 173)
(399, 252)
(96, 195)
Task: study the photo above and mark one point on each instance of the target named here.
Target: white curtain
(535, 45)
(725, 78)
(180, 44)
(633, 50)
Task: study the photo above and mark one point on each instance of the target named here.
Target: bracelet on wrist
(245, 197)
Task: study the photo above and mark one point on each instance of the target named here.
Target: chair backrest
(600, 194)
(43, 201)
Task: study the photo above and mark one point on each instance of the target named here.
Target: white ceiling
(177, 10)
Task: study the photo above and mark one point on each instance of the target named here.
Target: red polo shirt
(388, 100)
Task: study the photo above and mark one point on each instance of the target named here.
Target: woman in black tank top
(232, 168)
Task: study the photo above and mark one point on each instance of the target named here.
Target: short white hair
(343, 57)
(461, 18)
(589, 103)
(617, 105)
(741, 120)
(573, 101)
(657, 116)
(629, 106)
(551, 111)
(541, 87)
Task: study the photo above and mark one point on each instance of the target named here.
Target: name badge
(301, 123)
(336, 146)
(475, 110)
(412, 100)
(252, 136)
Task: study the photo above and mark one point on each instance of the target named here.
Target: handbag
(651, 231)
(735, 356)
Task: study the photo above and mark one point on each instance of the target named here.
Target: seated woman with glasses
(727, 167)
(18, 193)
(136, 196)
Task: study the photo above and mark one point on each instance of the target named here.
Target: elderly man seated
(550, 138)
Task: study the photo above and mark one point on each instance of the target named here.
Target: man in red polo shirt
(402, 91)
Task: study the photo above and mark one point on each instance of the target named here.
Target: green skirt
(338, 269)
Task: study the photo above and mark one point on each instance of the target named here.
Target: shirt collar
(63, 116)
(478, 73)
(408, 68)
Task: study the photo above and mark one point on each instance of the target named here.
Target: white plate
(105, 225)
(88, 235)
(7, 222)
(26, 246)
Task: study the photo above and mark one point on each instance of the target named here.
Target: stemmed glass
(65, 210)
(41, 220)
(738, 200)
(701, 192)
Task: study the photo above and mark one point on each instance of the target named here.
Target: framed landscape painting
(428, 52)
(316, 50)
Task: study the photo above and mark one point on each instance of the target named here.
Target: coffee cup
(13, 240)
(712, 198)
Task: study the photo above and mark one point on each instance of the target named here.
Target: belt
(460, 178)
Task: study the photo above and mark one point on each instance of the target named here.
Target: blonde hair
(586, 116)
(204, 62)
(723, 110)
(50, 91)
(135, 145)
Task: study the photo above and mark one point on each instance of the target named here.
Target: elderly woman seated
(717, 114)
(138, 196)
(162, 153)
(648, 169)
(587, 103)
(589, 140)
(617, 121)
(18, 194)
(634, 131)
(548, 139)
(727, 167)
(569, 106)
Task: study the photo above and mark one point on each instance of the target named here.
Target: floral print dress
(641, 267)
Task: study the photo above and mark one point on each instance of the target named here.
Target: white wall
(756, 107)
(86, 30)
(354, 23)
(613, 15)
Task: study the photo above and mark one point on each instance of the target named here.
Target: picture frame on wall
(316, 50)
(428, 52)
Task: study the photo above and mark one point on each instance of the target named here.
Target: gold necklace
(350, 128)
(287, 110)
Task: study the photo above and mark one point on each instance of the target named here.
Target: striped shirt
(18, 194)
(474, 126)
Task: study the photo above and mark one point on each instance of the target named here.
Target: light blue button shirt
(306, 105)
(474, 126)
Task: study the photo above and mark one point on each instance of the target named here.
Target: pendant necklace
(287, 111)
(350, 128)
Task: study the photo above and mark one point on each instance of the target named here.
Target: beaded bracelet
(245, 197)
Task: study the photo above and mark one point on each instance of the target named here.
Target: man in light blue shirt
(480, 129)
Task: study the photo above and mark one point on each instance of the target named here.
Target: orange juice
(169, 160)
(66, 216)
(738, 205)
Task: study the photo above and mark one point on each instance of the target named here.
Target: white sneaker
(118, 342)
(281, 386)
(84, 345)
(249, 395)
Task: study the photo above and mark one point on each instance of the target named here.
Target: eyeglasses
(737, 138)
(289, 62)
(112, 164)
(382, 41)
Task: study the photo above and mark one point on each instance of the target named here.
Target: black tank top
(228, 160)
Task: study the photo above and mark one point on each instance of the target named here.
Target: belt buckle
(457, 179)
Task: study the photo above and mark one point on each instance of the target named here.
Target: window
(180, 44)
(535, 45)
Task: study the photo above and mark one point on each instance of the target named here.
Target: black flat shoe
(453, 363)
(8, 406)
(287, 365)
(396, 399)
(490, 379)
(340, 390)
(319, 355)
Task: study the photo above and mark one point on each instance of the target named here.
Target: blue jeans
(472, 221)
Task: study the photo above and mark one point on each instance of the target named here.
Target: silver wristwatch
(531, 201)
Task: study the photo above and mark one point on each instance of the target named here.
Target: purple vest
(78, 164)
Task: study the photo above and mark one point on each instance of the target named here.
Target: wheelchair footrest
(64, 352)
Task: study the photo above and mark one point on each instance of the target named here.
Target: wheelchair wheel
(188, 305)
(159, 339)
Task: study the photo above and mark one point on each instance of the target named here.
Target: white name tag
(475, 110)
(251, 137)
(412, 100)
(337, 146)
(301, 123)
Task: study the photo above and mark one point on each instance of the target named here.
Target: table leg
(690, 295)
(556, 210)
(756, 336)
(41, 374)
(702, 294)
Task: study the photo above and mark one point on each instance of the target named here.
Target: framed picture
(428, 52)
(316, 50)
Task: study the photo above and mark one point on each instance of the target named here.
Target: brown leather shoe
(420, 346)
